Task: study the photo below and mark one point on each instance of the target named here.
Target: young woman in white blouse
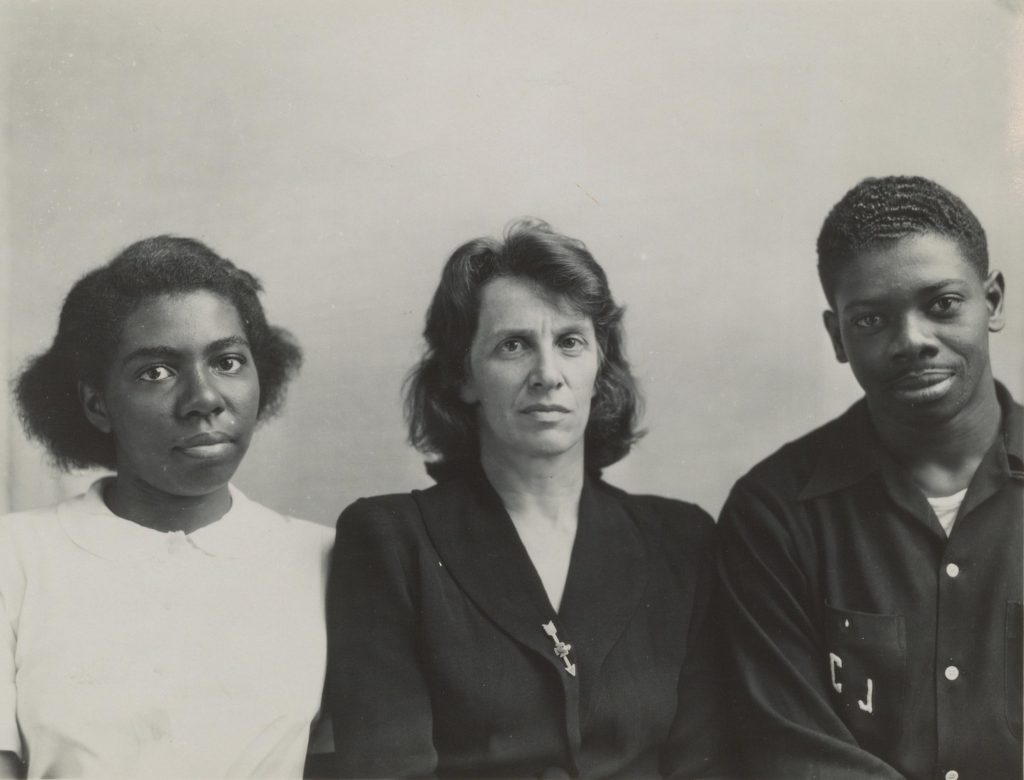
(161, 624)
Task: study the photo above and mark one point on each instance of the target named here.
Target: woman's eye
(868, 321)
(511, 346)
(230, 364)
(155, 374)
(947, 304)
(572, 343)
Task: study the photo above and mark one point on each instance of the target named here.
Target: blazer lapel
(477, 542)
(607, 579)
(608, 572)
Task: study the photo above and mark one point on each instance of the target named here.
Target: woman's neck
(542, 488)
(542, 498)
(143, 504)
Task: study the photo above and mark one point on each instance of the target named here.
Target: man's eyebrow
(932, 288)
(929, 289)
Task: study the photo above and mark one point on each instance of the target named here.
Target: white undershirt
(946, 508)
(127, 652)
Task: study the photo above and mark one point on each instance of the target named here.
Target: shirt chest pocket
(866, 656)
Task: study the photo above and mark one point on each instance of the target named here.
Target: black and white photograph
(512, 389)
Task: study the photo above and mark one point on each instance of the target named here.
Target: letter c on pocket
(834, 662)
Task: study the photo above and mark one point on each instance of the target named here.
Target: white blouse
(129, 652)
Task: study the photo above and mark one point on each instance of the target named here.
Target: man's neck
(942, 455)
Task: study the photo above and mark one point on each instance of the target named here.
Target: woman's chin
(195, 483)
(553, 447)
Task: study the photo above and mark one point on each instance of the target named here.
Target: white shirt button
(952, 672)
(952, 774)
(952, 570)
(177, 542)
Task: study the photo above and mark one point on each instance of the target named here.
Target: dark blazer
(440, 664)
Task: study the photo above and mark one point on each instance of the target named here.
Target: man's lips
(922, 386)
(920, 379)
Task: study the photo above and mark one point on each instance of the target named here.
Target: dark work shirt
(865, 643)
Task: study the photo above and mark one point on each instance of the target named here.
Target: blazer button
(553, 773)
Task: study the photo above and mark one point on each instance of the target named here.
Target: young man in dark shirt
(871, 570)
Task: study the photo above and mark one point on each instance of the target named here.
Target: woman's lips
(545, 413)
(207, 451)
(204, 446)
(533, 408)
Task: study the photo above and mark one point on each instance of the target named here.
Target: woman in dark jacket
(522, 618)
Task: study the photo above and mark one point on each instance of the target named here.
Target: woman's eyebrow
(572, 327)
(159, 351)
(226, 343)
(505, 333)
(150, 352)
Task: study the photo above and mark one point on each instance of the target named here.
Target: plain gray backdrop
(341, 150)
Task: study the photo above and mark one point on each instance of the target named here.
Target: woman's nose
(546, 370)
(200, 395)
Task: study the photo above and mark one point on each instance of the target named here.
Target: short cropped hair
(882, 211)
(91, 321)
(441, 424)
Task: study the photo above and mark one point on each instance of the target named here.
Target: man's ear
(995, 294)
(832, 326)
(94, 407)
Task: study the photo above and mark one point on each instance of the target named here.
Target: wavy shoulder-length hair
(91, 321)
(444, 427)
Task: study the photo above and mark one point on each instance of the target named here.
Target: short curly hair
(884, 210)
(91, 320)
(441, 424)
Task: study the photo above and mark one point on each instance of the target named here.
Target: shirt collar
(245, 530)
(847, 453)
(852, 451)
(1013, 431)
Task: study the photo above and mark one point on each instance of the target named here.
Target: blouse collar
(245, 530)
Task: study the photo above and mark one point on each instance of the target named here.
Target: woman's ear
(94, 407)
(467, 392)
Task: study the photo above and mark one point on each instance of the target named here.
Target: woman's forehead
(183, 318)
(509, 298)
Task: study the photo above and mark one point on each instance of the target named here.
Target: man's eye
(155, 374)
(230, 364)
(868, 321)
(947, 304)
